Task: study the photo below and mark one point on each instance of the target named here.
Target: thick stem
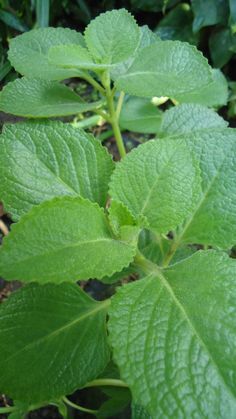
(106, 382)
(77, 407)
(115, 124)
(114, 120)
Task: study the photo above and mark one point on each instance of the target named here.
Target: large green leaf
(28, 53)
(34, 98)
(214, 95)
(65, 239)
(212, 220)
(52, 341)
(140, 115)
(42, 160)
(159, 180)
(165, 68)
(173, 335)
(112, 37)
(188, 118)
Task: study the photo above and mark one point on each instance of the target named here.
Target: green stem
(115, 126)
(113, 115)
(106, 382)
(7, 409)
(94, 83)
(146, 265)
(103, 114)
(119, 104)
(105, 135)
(77, 407)
(87, 122)
(170, 254)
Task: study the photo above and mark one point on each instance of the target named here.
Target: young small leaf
(65, 239)
(52, 337)
(173, 336)
(33, 98)
(159, 180)
(28, 53)
(112, 37)
(40, 161)
(188, 118)
(165, 68)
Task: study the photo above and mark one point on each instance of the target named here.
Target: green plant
(165, 212)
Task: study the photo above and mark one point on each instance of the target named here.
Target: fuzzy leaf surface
(173, 335)
(142, 182)
(54, 338)
(214, 95)
(73, 56)
(147, 37)
(212, 220)
(140, 115)
(65, 239)
(187, 118)
(28, 52)
(40, 161)
(33, 98)
(112, 37)
(165, 68)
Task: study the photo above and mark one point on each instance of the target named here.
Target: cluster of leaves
(80, 216)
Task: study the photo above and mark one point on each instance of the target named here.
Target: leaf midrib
(88, 313)
(167, 286)
(45, 166)
(148, 198)
(203, 198)
(69, 246)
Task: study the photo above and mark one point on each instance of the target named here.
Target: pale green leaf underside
(214, 95)
(34, 98)
(174, 335)
(140, 115)
(112, 37)
(52, 341)
(158, 180)
(28, 53)
(165, 68)
(65, 239)
(42, 160)
(73, 56)
(212, 220)
(186, 118)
